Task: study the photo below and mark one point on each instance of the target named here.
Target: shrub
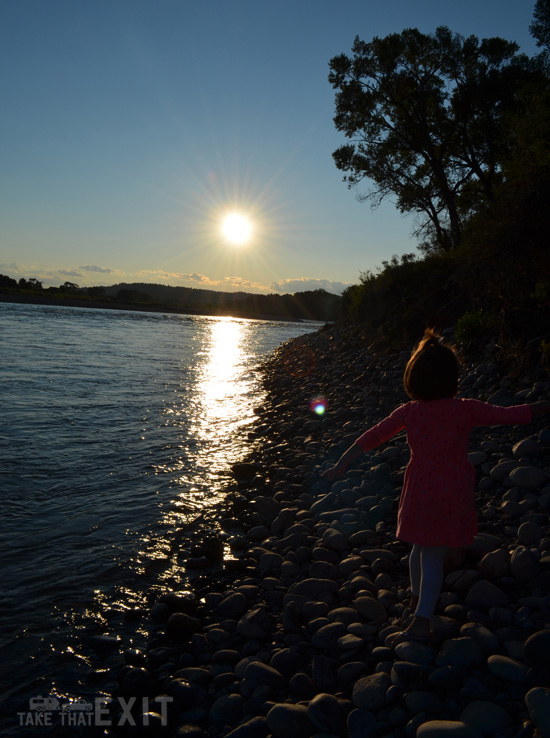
(472, 325)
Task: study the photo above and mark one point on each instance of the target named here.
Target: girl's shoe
(406, 635)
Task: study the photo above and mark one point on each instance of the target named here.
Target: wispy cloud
(70, 273)
(305, 284)
(95, 268)
(87, 276)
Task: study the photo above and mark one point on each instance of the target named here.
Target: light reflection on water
(223, 388)
(120, 429)
(224, 396)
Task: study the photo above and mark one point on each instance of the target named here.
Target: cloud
(70, 273)
(306, 284)
(94, 268)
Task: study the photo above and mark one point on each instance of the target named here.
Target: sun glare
(236, 228)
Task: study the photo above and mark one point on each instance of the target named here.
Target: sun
(237, 228)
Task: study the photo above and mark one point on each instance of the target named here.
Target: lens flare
(318, 405)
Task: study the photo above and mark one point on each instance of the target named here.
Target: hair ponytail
(432, 371)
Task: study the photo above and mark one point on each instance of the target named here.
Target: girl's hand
(333, 473)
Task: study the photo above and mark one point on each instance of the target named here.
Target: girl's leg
(432, 560)
(415, 573)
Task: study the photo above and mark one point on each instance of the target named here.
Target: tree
(6, 281)
(540, 27)
(69, 287)
(424, 115)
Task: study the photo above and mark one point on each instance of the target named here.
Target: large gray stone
(254, 728)
(369, 693)
(255, 624)
(361, 724)
(459, 652)
(447, 729)
(523, 564)
(507, 669)
(537, 648)
(289, 721)
(313, 588)
(327, 714)
(484, 595)
(226, 710)
(537, 701)
(370, 608)
(487, 717)
(528, 477)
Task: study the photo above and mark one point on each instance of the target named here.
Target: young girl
(437, 505)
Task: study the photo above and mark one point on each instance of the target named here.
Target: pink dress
(437, 505)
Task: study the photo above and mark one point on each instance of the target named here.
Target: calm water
(118, 428)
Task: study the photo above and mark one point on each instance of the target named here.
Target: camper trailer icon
(44, 704)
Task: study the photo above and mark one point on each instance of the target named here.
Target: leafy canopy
(424, 115)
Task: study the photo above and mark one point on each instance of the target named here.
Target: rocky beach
(283, 629)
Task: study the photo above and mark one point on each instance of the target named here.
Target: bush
(472, 325)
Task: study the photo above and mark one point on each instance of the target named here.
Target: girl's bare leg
(430, 561)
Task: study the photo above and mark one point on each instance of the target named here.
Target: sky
(131, 128)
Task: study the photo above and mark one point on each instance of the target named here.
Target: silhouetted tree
(540, 29)
(6, 281)
(424, 114)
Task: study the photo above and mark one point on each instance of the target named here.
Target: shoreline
(287, 636)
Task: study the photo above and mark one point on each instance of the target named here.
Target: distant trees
(129, 295)
(311, 305)
(6, 281)
(69, 287)
(426, 116)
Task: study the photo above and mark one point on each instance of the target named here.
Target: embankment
(288, 635)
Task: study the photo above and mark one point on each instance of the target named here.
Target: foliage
(6, 281)
(545, 353)
(310, 305)
(404, 296)
(540, 30)
(425, 115)
(472, 325)
(127, 295)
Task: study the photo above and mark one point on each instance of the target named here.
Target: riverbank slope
(287, 633)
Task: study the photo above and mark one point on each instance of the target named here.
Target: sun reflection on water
(219, 387)
(208, 412)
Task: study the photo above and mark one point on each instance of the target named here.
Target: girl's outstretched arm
(340, 467)
(539, 408)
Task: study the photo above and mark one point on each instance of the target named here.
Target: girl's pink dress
(437, 505)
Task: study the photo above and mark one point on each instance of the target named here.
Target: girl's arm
(341, 465)
(371, 439)
(539, 408)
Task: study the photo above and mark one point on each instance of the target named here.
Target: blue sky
(130, 127)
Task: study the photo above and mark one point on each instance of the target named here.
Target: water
(118, 430)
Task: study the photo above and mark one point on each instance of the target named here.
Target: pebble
(289, 721)
(507, 669)
(287, 638)
(447, 729)
(488, 717)
(369, 693)
(537, 701)
(327, 714)
(484, 595)
(528, 477)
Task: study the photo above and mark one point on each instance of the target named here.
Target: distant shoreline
(26, 299)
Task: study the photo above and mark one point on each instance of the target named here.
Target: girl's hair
(432, 371)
